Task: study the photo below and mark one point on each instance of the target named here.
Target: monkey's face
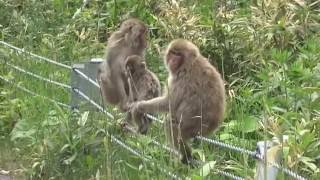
(135, 64)
(174, 59)
(180, 53)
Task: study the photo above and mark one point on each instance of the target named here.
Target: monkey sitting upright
(143, 85)
(195, 99)
(129, 40)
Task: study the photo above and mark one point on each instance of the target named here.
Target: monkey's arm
(159, 104)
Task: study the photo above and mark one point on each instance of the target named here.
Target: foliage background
(267, 51)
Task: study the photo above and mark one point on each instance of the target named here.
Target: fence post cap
(96, 60)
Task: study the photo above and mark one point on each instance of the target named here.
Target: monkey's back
(199, 95)
(146, 85)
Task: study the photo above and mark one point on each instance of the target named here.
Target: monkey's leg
(180, 136)
(128, 118)
(145, 124)
(178, 141)
(185, 150)
(142, 122)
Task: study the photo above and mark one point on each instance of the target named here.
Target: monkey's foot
(125, 107)
(126, 127)
(143, 130)
(144, 126)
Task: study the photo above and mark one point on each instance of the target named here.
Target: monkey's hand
(124, 108)
(136, 109)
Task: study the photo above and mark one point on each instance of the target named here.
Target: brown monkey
(143, 85)
(129, 40)
(195, 99)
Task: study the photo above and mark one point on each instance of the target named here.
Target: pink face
(174, 60)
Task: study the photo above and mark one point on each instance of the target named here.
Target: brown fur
(129, 40)
(143, 85)
(195, 99)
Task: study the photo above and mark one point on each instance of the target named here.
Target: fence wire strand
(135, 152)
(177, 154)
(155, 142)
(33, 93)
(142, 157)
(86, 77)
(38, 76)
(210, 141)
(228, 146)
(92, 102)
(35, 55)
(227, 174)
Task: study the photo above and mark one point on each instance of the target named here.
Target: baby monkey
(143, 85)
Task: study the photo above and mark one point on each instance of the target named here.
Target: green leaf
(64, 148)
(249, 124)
(285, 151)
(308, 162)
(195, 177)
(90, 161)
(307, 139)
(226, 136)
(205, 170)
(84, 117)
(70, 159)
(280, 56)
(23, 130)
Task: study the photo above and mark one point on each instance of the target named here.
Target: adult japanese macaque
(143, 85)
(195, 99)
(129, 40)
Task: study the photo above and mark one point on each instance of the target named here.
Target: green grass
(267, 53)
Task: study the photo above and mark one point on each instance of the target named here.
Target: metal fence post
(82, 84)
(268, 151)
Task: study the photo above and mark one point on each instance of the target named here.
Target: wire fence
(87, 98)
(38, 76)
(253, 154)
(135, 152)
(34, 55)
(33, 93)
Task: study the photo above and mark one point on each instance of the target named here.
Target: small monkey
(129, 40)
(195, 99)
(143, 85)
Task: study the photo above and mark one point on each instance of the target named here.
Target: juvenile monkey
(129, 40)
(143, 85)
(195, 99)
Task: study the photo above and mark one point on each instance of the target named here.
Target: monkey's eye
(176, 53)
